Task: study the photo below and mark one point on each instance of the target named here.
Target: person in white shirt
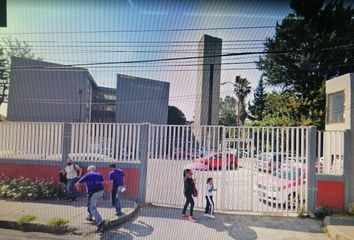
(73, 173)
(209, 209)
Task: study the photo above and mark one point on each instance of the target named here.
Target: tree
(318, 40)
(175, 116)
(242, 88)
(257, 108)
(10, 48)
(228, 116)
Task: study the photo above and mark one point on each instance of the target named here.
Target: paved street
(165, 224)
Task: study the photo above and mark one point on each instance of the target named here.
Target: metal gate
(255, 169)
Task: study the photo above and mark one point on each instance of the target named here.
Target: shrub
(26, 219)
(322, 212)
(351, 209)
(55, 222)
(25, 189)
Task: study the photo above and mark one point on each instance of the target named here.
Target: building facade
(103, 104)
(141, 100)
(47, 92)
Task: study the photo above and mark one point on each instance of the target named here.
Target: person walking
(94, 187)
(189, 191)
(116, 178)
(209, 209)
(73, 172)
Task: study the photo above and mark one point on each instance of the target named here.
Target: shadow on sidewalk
(236, 226)
(137, 229)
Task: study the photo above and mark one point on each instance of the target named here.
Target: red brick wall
(50, 173)
(330, 194)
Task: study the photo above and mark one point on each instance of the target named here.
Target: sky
(90, 31)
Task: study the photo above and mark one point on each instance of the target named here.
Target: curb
(59, 230)
(334, 232)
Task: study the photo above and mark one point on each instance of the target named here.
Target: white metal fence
(330, 152)
(257, 169)
(107, 142)
(22, 140)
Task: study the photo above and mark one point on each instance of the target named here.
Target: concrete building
(104, 105)
(47, 92)
(208, 81)
(141, 100)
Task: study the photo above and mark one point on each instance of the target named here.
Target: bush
(26, 219)
(55, 222)
(25, 189)
(351, 209)
(322, 212)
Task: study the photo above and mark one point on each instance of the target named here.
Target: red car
(214, 162)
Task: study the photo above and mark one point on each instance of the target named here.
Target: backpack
(62, 176)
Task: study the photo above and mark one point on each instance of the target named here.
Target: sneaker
(211, 216)
(192, 219)
(119, 214)
(184, 216)
(100, 227)
(206, 215)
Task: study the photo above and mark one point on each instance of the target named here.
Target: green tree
(228, 108)
(242, 89)
(10, 48)
(319, 40)
(257, 108)
(175, 116)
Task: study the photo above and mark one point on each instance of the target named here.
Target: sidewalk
(75, 212)
(340, 227)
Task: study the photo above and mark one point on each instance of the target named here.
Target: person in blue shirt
(94, 187)
(116, 177)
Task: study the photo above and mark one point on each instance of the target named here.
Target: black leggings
(209, 209)
(189, 200)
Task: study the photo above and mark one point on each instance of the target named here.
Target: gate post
(311, 169)
(66, 142)
(346, 167)
(144, 155)
(223, 169)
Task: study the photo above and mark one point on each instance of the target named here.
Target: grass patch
(26, 219)
(55, 222)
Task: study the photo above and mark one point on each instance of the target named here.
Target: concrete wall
(141, 100)
(344, 83)
(42, 93)
(49, 172)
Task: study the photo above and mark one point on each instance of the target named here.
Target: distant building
(48, 92)
(141, 100)
(104, 104)
(208, 81)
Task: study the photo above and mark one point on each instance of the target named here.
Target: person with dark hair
(209, 209)
(116, 177)
(72, 172)
(189, 191)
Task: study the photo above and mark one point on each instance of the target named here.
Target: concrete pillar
(144, 155)
(311, 169)
(66, 144)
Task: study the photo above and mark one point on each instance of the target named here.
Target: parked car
(214, 162)
(269, 161)
(284, 187)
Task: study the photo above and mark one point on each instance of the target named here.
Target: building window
(335, 106)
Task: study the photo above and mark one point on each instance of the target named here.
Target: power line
(113, 41)
(182, 58)
(143, 30)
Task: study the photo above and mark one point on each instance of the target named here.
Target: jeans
(70, 186)
(92, 206)
(116, 201)
(189, 200)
